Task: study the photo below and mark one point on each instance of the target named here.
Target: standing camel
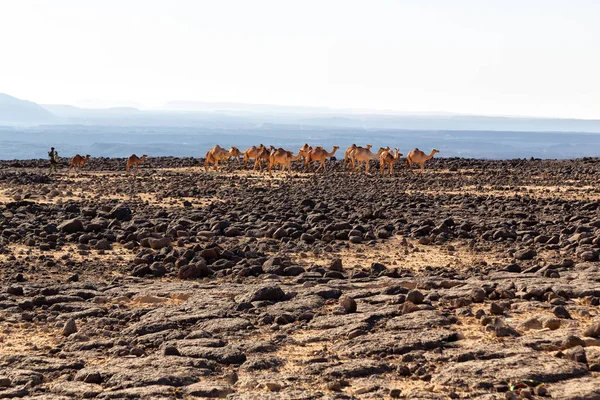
(133, 159)
(252, 152)
(319, 154)
(417, 156)
(78, 162)
(364, 155)
(215, 155)
(347, 153)
(283, 157)
(235, 153)
(263, 155)
(388, 158)
(303, 151)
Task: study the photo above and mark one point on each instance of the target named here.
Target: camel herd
(354, 156)
(269, 157)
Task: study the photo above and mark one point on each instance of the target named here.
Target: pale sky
(501, 57)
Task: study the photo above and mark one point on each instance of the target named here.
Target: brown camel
(135, 160)
(215, 155)
(365, 155)
(319, 154)
(388, 158)
(351, 151)
(283, 157)
(78, 162)
(417, 156)
(347, 154)
(263, 155)
(252, 152)
(303, 152)
(235, 153)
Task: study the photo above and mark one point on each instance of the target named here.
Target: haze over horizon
(466, 57)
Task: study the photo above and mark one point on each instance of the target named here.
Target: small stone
(70, 327)
(541, 390)
(336, 265)
(415, 296)
(395, 393)
(377, 268)
(513, 268)
(171, 351)
(593, 330)
(273, 387)
(526, 254)
(511, 396)
(403, 370)
(526, 393)
(334, 386)
(506, 331)
(409, 307)
(589, 255)
(137, 351)
(15, 290)
(4, 381)
(348, 303)
(424, 241)
(531, 323)
(551, 323)
(561, 312)
(572, 341)
(92, 377)
(231, 378)
(496, 309)
(478, 295)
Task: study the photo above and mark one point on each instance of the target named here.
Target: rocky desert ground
(478, 279)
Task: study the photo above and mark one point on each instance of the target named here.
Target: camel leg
(422, 167)
(321, 166)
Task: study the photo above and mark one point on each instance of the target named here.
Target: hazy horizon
(496, 58)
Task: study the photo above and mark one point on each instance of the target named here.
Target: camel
(215, 155)
(252, 152)
(263, 155)
(235, 153)
(347, 153)
(133, 159)
(319, 154)
(283, 157)
(388, 158)
(365, 155)
(303, 152)
(417, 156)
(78, 162)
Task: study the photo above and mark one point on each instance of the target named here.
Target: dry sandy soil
(478, 279)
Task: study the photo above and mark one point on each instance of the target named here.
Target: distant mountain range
(16, 111)
(224, 115)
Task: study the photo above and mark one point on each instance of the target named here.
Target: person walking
(53, 155)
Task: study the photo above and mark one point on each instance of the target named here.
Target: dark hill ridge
(17, 111)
